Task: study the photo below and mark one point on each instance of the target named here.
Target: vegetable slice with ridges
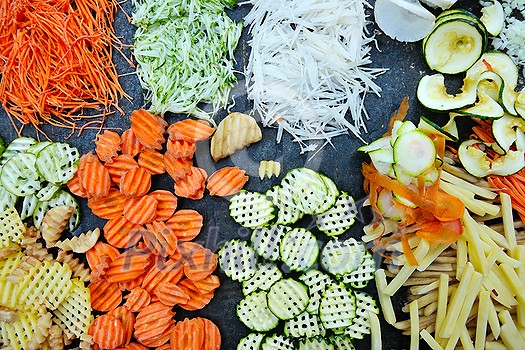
(135, 182)
(121, 233)
(238, 260)
(192, 185)
(181, 148)
(107, 332)
(152, 321)
(152, 161)
(140, 210)
(130, 143)
(212, 335)
(105, 295)
(190, 130)
(265, 276)
(137, 299)
(186, 224)
(128, 265)
(253, 311)
(337, 308)
(120, 165)
(267, 240)
(198, 300)
(108, 207)
(128, 321)
(188, 334)
(166, 204)
(299, 249)
(107, 145)
(170, 294)
(226, 181)
(95, 177)
(339, 218)
(251, 209)
(148, 128)
(287, 298)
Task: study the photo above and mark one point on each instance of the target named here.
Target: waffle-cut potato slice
(234, 132)
(73, 314)
(23, 333)
(11, 228)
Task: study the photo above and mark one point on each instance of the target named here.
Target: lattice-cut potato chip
(24, 333)
(73, 314)
(81, 243)
(9, 264)
(48, 284)
(234, 132)
(11, 228)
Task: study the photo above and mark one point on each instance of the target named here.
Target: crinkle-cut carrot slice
(133, 346)
(177, 167)
(181, 148)
(186, 224)
(162, 240)
(200, 264)
(108, 207)
(170, 294)
(121, 164)
(105, 295)
(140, 210)
(152, 161)
(162, 270)
(128, 321)
(208, 284)
(135, 182)
(75, 186)
(129, 285)
(226, 181)
(130, 143)
(121, 232)
(166, 204)
(190, 130)
(152, 321)
(188, 335)
(137, 299)
(148, 128)
(212, 335)
(98, 273)
(161, 339)
(166, 346)
(107, 332)
(107, 145)
(94, 176)
(129, 265)
(193, 185)
(98, 250)
(197, 300)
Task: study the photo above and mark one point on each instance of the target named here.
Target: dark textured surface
(341, 163)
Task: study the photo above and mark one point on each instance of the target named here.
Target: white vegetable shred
(308, 71)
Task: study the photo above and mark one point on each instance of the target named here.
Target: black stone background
(342, 162)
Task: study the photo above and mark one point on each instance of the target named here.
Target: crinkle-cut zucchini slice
(265, 276)
(361, 325)
(342, 342)
(299, 249)
(287, 211)
(317, 343)
(29, 205)
(238, 260)
(337, 308)
(57, 162)
(316, 282)
(251, 342)
(360, 277)
(47, 192)
(267, 240)
(288, 298)
(311, 192)
(253, 311)
(19, 175)
(304, 325)
(338, 218)
(277, 342)
(18, 145)
(342, 257)
(251, 209)
(7, 199)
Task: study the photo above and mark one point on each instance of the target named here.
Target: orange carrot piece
(120, 165)
(188, 335)
(148, 128)
(94, 176)
(130, 144)
(131, 284)
(177, 167)
(186, 224)
(135, 182)
(190, 130)
(159, 239)
(121, 233)
(128, 321)
(166, 346)
(208, 284)
(108, 207)
(133, 346)
(181, 148)
(166, 204)
(107, 332)
(105, 295)
(400, 114)
(137, 299)
(152, 321)
(107, 145)
(170, 294)
(193, 185)
(98, 250)
(162, 270)
(200, 264)
(212, 335)
(161, 339)
(128, 265)
(75, 186)
(140, 210)
(226, 181)
(409, 254)
(152, 161)
(197, 300)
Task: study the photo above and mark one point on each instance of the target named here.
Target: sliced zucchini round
(252, 341)
(238, 260)
(498, 62)
(389, 207)
(342, 342)
(360, 277)
(287, 298)
(57, 162)
(484, 108)
(430, 128)
(251, 209)
(336, 220)
(287, 211)
(19, 175)
(7, 199)
(337, 308)
(304, 325)
(432, 93)
(267, 240)
(253, 311)
(265, 276)
(493, 17)
(415, 152)
(504, 130)
(299, 249)
(519, 105)
(18, 145)
(317, 343)
(342, 257)
(361, 325)
(277, 342)
(316, 282)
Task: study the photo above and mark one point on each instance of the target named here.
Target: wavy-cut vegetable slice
(304, 325)
(361, 322)
(253, 311)
(277, 341)
(288, 298)
(62, 198)
(265, 276)
(128, 321)
(98, 250)
(105, 295)
(54, 223)
(188, 334)
(130, 144)
(364, 273)
(107, 332)
(238, 260)
(200, 264)
(148, 128)
(186, 224)
(108, 207)
(177, 167)
(135, 182)
(170, 294)
(166, 204)
(342, 257)
(95, 177)
(161, 271)
(342, 342)
(19, 175)
(75, 186)
(251, 342)
(107, 145)
(212, 335)
(337, 308)
(287, 211)
(269, 168)
(190, 130)
(338, 218)
(128, 265)
(165, 237)
(121, 233)
(19, 145)
(317, 282)
(152, 161)
(137, 299)
(12, 228)
(181, 148)
(120, 165)
(29, 203)
(192, 186)
(140, 210)
(152, 321)
(226, 181)
(315, 344)
(208, 284)
(57, 162)
(299, 249)
(73, 314)
(251, 209)
(198, 299)
(267, 240)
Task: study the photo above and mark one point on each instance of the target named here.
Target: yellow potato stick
(495, 345)
(465, 339)
(461, 256)
(441, 311)
(384, 299)
(505, 258)
(509, 333)
(413, 242)
(375, 331)
(495, 236)
(493, 255)
(482, 319)
(418, 290)
(435, 250)
(498, 290)
(269, 168)
(493, 319)
(475, 246)
(480, 191)
(373, 231)
(434, 345)
(414, 325)
(508, 220)
(430, 308)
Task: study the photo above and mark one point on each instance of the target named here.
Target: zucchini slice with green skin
(360, 277)
(47, 192)
(493, 17)
(267, 240)
(342, 257)
(304, 325)
(454, 45)
(432, 93)
(336, 220)
(29, 205)
(342, 342)
(7, 199)
(484, 108)
(287, 298)
(389, 207)
(497, 62)
(415, 152)
(316, 282)
(253, 311)
(337, 308)
(277, 342)
(252, 341)
(37, 147)
(361, 322)
(380, 143)
(504, 130)
(251, 209)
(299, 249)
(315, 344)
(287, 211)
(18, 145)
(19, 175)
(57, 162)
(519, 105)
(430, 128)
(238, 260)
(265, 276)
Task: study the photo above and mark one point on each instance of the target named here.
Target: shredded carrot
(55, 59)
(400, 114)
(409, 255)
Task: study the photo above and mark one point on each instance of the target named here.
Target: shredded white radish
(309, 67)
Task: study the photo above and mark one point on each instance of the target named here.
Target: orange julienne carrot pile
(55, 60)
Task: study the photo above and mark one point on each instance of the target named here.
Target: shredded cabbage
(309, 67)
(184, 50)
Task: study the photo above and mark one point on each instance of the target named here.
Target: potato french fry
(508, 220)
(509, 333)
(384, 299)
(414, 325)
(465, 339)
(375, 331)
(482, 319)
(462, 257)
(427, 337)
